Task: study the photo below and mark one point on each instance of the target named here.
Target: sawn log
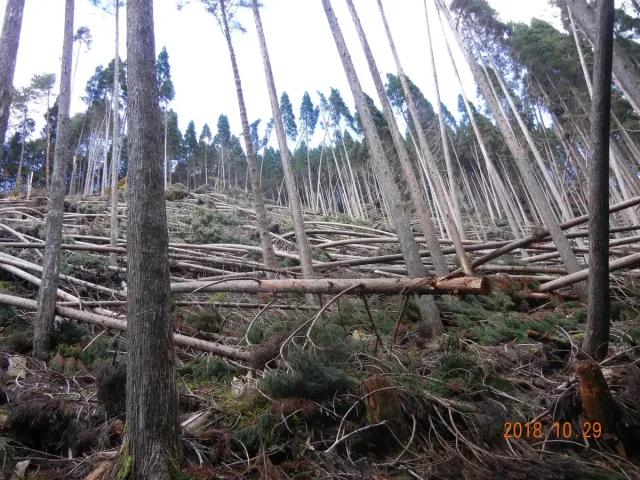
(391, 286)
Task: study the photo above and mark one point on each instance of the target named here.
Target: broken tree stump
(383, 405)
(598, 405)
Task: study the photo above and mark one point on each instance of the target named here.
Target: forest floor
(360, 389)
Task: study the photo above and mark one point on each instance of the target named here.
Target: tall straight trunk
(625, 70)
(262, 219)
(428, 157)
(23, 142)
(9, 41)
(152, 446)
(304, 251)
(424, 217)
(115, 150)
(415, 267)
(103, 182)
(166, 131)
(453, 184)
(522, 162)
(206, 173)
(49, 285)
(596, 338)
(29, 183)
(47, 179)
(76, 173)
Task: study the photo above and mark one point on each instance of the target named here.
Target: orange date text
(563, 430)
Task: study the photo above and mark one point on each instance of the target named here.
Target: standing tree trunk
(22, 145)
(304, 251)
(115, 151)
(424, 217)
(103, 180)
(596, 338)
(9, 41)
(47, 180)
(49, 285)
(408, 245)
(152, 446)
(262, 219)
(167, 174)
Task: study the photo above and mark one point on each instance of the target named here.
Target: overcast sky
(301, 47)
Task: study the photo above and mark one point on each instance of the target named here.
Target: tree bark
(50, 265)
(625, 70)
(596, 338)
(152, 447)
(115, 149)
(294, 198)
(9, 41)
(420, 286)
(408, 245)
(424, 217)
(262, 219)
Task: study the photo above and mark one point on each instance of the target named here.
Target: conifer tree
(596, 337)
(288, 117)
(166, 95)
(152, 444)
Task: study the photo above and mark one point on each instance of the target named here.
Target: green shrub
(491, 319)
(90, 208)
(208, 368)
(315, 377)
(211, 226)
(16, 339)
(70, 333)
(79, 260)
(176, 192)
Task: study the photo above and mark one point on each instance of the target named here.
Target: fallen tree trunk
(630, 261)
(543, 233)
(392, 286)
(106, 322)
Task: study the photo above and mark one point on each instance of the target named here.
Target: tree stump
(385, 406)
(597, 402)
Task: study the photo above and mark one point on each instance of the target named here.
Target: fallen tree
(630, 261)
(541, 234)
(112, 323)
(391, 286)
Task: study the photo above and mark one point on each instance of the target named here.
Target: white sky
(301, 47)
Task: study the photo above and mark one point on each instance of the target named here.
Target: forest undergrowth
(359, 388)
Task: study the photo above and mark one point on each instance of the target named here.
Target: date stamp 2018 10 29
(561, 430)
